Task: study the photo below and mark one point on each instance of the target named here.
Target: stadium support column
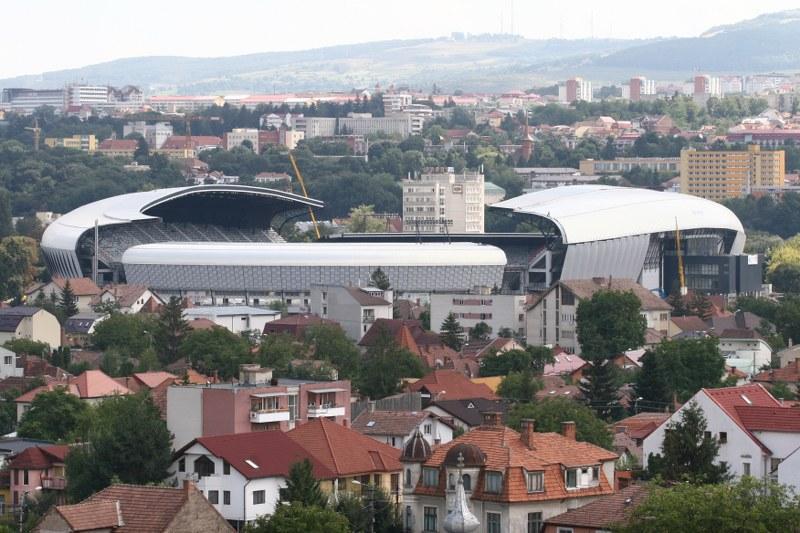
(96, 248)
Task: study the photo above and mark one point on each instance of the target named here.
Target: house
(629, 434)
(234, 318)
(296, 325)
(757, 434)
(241, 475)
(125, 148)
(629, 359)
(744, 349)
(565, 364)
(600, 515)
(354, 308)
(93, 386)
(258, 402)
(498, 311)
(789, 354)
(479, 348)
(137, 508)
(558, 387)
(467, 413)
(788, 375)
(29, 323)
(155, 383)
(687, 324)
(512, 481)
(38, 468)
(449, 385)
(130, 299)
(552, 318)
(84, 290)
(79, 328)
(396, 427)
(8, 364)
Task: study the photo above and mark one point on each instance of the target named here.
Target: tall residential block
(575, 89)
(443, 201)
(640, 86)
(719, 175)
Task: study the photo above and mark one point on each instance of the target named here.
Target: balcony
(325, 410)
(54, 483)
(264, 416)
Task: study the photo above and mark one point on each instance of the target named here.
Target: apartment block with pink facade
(256, 403)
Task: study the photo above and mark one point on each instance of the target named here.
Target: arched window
(467, 480)
(408, 477)
(450, 481)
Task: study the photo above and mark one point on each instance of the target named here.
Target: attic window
(747, 400)
(470, 405)
(250, 463)
(370, 423)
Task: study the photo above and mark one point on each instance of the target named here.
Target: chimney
(187, 485)
(492, 418)
(568, 430)
(371, 406)
(526, 432)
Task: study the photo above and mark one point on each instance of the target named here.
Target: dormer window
(430, 477)
(535, 481)
(494, 482)
(581, 478)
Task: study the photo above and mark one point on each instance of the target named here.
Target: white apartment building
(315, 126)
(235, 318)
(575, 89)
(91, 95)
(354, 308)
(155, 134)
(441, 197)
(498, 311)
(366, 124)
(394, 103)
(26, 101)
(237, 136)
(419, 114)
(290, 138)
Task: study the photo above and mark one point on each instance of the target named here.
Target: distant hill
(483, 63)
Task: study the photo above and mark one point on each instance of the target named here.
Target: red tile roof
(79, 286)
(119, 145)
(91, 516)
(153, 379)
(97, 384)
(778, 419)
(40, 457)
(344, 451)
(273, 452)
(451, 385)
(296, 324)
(399, 423)
(604, 511)
(729, 398)
(203, 323)
(641, 425)
(690, 323)
(585, 288)
(178, 142)
(788, 374)
(125, 295)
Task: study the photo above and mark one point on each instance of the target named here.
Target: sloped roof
(40, 457)
(787, 374)
(400, 423)
(564, 363)
(118, 144)
(585, 288)
(10, 317)
(604, 511)
(155, 378)
(470, 410)
(344, 451)
(97, 384)
(729, 398)
(273, 452)
(296, 324)
(79, 286)
(125, 295)
(690, 323)
(641, 425)
(364, 298)
(82, 322)
(89, 516)
(451, 385)
(778, 419)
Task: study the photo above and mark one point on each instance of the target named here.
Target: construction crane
(37, 133)
(305, 192)
(681, 275)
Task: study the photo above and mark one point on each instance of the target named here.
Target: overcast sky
(43, 35)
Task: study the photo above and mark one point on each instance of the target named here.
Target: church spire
(460, 519)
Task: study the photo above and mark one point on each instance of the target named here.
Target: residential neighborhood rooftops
(585, 288)
(450, 385)
(470, 410)
(778, 419)
(91, 516)
(10, 317)
(604, 512)
(364, 298)
(39, 457)
(400, 423)
(788, 374)
(296, 324)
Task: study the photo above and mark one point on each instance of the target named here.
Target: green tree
(67, 303)
(372, 511)
(551, 412)
(783, 391)
(609, 323)
(599, 386)
(116, 448)
(277, 350)
(384, 364)
(750, 506)
(170, 330)
(480, 331)
(451, 332)
(363, 220)
(532, 358)
(701, 306)
(128, 335)
(27, 346)
(6, 224)
(330, 343)
(216, 350)
(380, 280)
(54, 416)
(302, 487)
(688, 452)
(30, 227)
(294, 518)
(519, 386)
(786, 278)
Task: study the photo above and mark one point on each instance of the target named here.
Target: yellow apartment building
(719, 175)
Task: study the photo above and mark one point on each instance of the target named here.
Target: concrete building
(234, 318)
(591, 167)
(744, 349)
(575, 89)
(26, 101)
(124, 148)
(720, 175)
(86, 143)
(87, 95)
(290, 138)
(155, 134)
(497, 310)
(354, 308)
(443, 201)
(552, 319)
(706, 87)
(30, 323)
(237, 136)
(366, 124)
(256, 403)
(315, 126)
(639, 87)
(394, 103)
(178, 103)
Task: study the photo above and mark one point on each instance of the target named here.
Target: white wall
(184, 414)
(505, 310)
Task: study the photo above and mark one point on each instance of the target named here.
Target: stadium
(222, 242)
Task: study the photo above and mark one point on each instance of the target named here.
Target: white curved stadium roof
(65, 231)
(315, 254)
(586, 213)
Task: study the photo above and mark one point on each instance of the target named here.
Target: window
(494, 482)
(259, 497)
(203, 466)
(745, 470)
(213, 497)
(467, 479)
(535, 481)
(428, 428)
(408, 477)
(430, 477)
(226, 468)
(25, 477)
(182, 465)
(395, 481)
(565, 530)
(572, 478)
(723, 437)
(226, 497)
(7, 360)
(492, 522)
(451, 484)
(429, 519)
(534, 522)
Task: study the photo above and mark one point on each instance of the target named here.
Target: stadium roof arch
(249, 205)
(588, 213)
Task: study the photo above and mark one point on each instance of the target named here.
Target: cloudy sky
(43, 35)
